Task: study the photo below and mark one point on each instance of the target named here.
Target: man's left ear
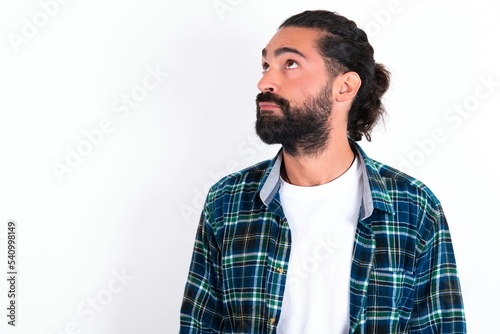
(347, 86)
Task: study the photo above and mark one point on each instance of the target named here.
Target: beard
(301, 130)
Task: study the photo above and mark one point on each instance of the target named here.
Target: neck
(319, 168)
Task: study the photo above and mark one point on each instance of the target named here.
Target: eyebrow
(278, 52)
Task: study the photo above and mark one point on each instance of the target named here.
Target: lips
(268, 106)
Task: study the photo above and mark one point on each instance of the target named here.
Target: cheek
(311, 84)
(299, 88)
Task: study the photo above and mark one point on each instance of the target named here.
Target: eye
(265, 67)
(291, 64)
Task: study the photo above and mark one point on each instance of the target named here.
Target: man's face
(295, 103)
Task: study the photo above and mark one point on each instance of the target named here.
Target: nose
(268, 83)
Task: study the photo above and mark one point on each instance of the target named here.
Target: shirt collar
(375, 194)
(270, 184)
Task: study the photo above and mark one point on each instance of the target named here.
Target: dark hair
(345, 47)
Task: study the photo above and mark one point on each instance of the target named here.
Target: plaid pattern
(403, 275)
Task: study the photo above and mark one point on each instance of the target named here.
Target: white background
(129, 206)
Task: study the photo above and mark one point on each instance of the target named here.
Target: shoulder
(415, 209)
(398, 182)
(406, 196)
(247, 180)
(411, 200)
(234, 195)
(390, 184)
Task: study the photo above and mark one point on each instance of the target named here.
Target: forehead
(302, 39)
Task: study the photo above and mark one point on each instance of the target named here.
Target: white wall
(130, 206)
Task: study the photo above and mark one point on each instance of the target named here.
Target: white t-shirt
(323, 223)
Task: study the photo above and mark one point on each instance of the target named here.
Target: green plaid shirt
(403, 275)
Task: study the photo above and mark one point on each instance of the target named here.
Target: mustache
(271, 97)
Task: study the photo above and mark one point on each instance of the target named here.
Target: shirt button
(272, 321)
(280, 270)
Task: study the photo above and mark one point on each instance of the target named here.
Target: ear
(346, 86)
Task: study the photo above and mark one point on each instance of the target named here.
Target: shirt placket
(276, 284)
(362, 264)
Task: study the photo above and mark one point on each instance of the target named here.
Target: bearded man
(321, 238)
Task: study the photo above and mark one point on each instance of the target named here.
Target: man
(321, 239)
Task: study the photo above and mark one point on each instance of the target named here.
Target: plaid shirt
(403, 275)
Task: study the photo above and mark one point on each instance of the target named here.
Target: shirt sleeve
(438, 306)
(201, 310)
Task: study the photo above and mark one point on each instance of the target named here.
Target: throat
(314, 172)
